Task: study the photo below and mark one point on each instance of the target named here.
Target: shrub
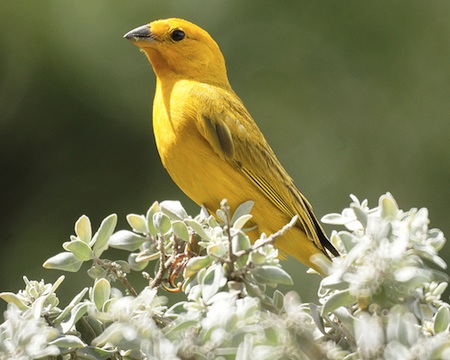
(380, 300)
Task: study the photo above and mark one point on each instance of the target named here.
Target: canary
(211, 146)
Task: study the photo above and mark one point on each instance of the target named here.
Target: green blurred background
(353, 96)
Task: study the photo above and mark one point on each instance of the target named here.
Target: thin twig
(156, 281)
(270, 240)
(116, 271)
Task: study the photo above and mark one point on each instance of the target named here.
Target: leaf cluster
(382, 298)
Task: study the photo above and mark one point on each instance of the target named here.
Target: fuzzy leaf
(441, 320)
(195, 264)
(361, 215)
(338, 299)
(162, 223)
(12, 298)
(240, 242)
(126, 240)
(243, 209)
(241, 221)
(136, 265)
(76, 300)
(198, 228)
(151, 211)
(268, 274)
(173, 209)
(83, 229)
(101, 293)
(64, 261)
(335, 219)
(213, 280)
(103, 234)
(96, 272)
(68, 341)
(75, 314)
(138, 223)
(388, 206)
(79, 248)
(180, 229)
(94, 353)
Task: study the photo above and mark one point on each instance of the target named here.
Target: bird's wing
(228, 127)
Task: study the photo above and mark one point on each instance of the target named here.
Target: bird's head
(178, 49)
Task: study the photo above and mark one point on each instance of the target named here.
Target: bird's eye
(177, 35)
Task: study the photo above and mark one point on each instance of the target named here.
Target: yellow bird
(211, 146)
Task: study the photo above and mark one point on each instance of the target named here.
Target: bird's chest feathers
(176, 131)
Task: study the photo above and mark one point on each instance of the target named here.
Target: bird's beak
(141, 33)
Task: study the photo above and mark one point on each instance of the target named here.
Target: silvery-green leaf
(136, 265)
(361, 215)
(195, 264)
(94, 353)
(101, 237)
(180, 229)
(241, 221)
(278, 299)
(355, 199)
(245, 349)
(174, 331)
(100, 293)
(221, 215)
(64, 261)
(268, 274)
(83, 229)
(317, 317)
(161, 222)
(79, 248)
(240, 242)
(348, 240)
(153, 210)
(138, 223)
(173, 209)
(439, 262)
(439, 290)
(12, 298)
(217, 250)
(441, 320)
(388, 207)
(126, 240)
(436, 239)
(412, 275)
(145, 256)
(230, 324)
(334, 281)
(243, 209)
(124, 266)
(212, 222)
(335, 219)
(68, 341)
(76, 300)
(257, 258)
(338, 299)
(75, 314)
(212, 281)
(96, 272)
(198, 228)
(58, 282)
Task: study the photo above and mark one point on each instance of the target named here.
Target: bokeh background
(353, 96)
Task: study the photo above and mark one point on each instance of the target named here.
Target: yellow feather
(211, 146)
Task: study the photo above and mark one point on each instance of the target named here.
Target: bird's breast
(184, 152)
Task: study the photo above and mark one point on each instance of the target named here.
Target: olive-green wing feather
(234, 136)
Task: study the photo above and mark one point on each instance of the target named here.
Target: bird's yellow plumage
(209, 143)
